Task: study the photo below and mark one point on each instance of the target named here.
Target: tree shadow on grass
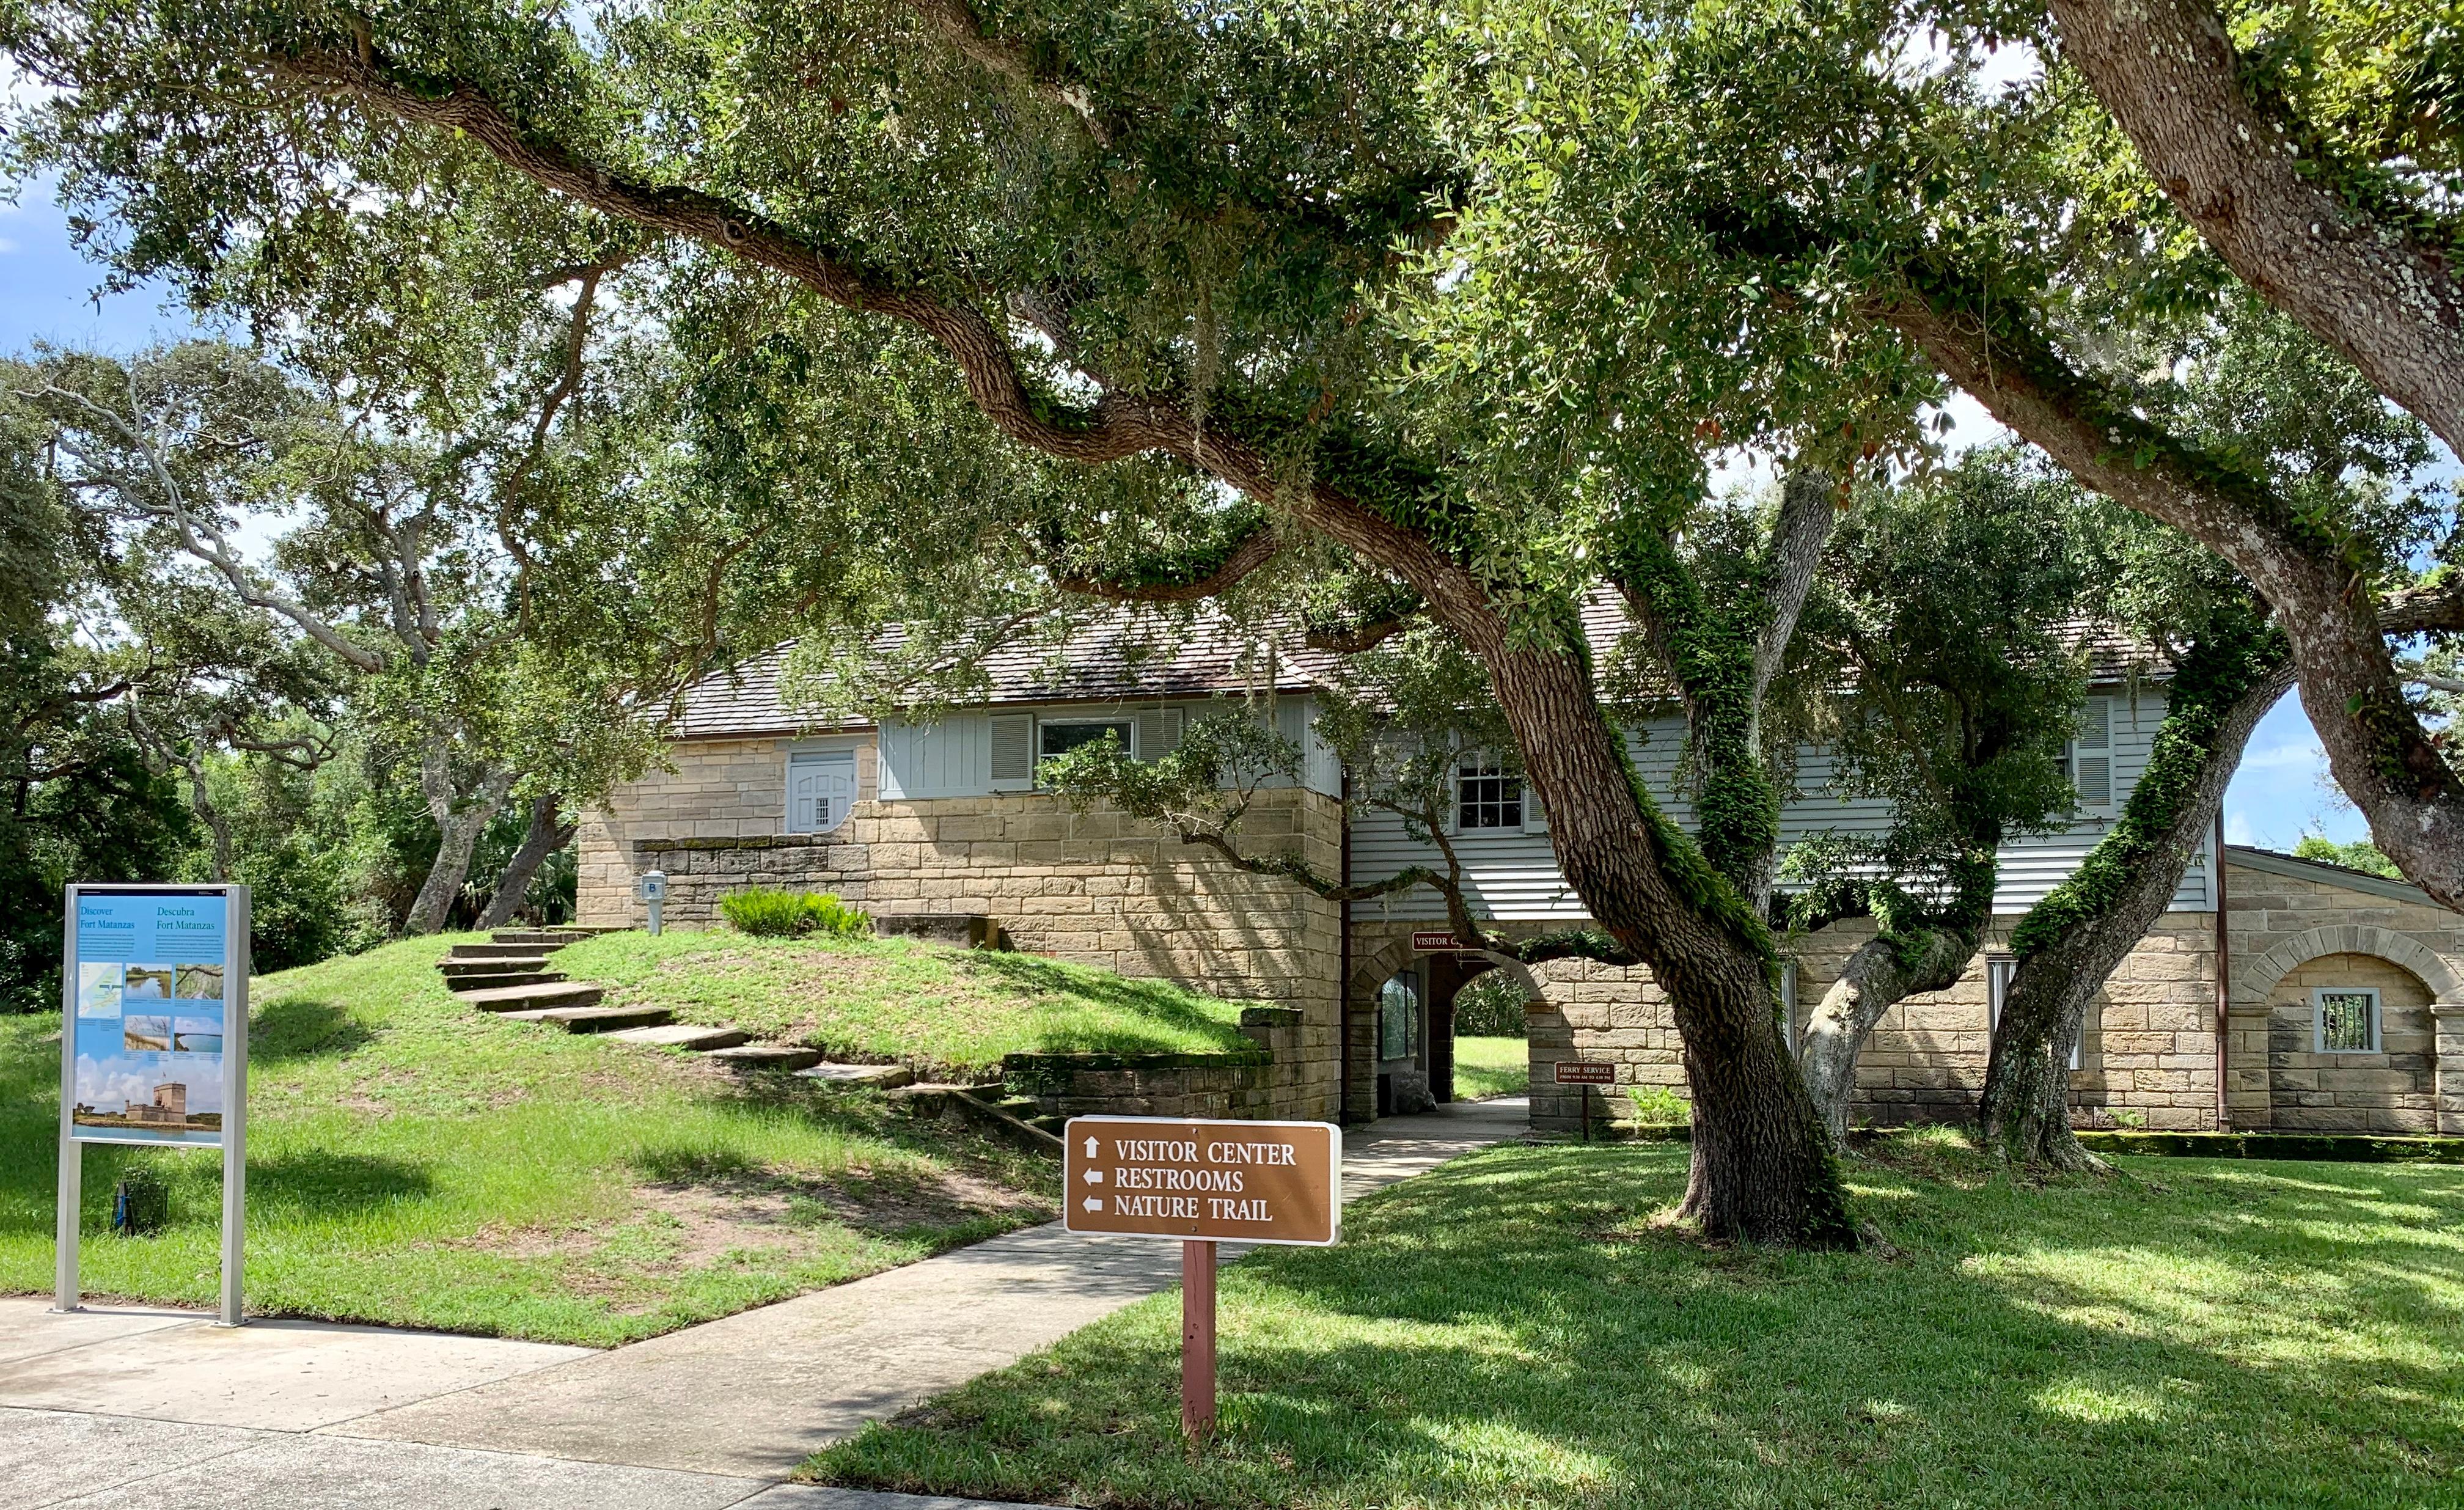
(1519, 1327)
(320, 1181)
(304, 1027)
(1157, 1002)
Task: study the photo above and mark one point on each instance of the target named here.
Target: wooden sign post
(1578, 1072)
(1199, 1183)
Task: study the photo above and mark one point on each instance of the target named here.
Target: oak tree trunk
(459, 822)
(2070, 943)
(545, 836)
(2393, 306)
(1764, 1167)
(1882, 972)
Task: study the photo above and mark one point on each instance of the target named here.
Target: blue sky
(46, 293)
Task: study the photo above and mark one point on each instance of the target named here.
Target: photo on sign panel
(145, 1035)
(148, 983)
(201, 982)
(196, 1034)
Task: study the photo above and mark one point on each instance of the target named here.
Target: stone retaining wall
(1093, 887)
(1264, 1085)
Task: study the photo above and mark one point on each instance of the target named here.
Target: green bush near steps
(773, 912)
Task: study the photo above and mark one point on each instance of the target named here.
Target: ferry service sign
(1229, 1181)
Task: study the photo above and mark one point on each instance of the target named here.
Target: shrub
(774, 913)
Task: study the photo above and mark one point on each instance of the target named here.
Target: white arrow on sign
(1095, 1204)
(1090, 1145)
(1094, 1176)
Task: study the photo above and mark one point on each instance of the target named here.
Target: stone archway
(2255, 982)
(2255, 985)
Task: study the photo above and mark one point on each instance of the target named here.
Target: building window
(1398, 1017)
(1998, 971)
(1487, 796)
(821, 790)
(2347, 1020)
(1058, 737)
(2087, 761)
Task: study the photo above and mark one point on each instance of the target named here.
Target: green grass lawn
(412, 1161)
(949, 1012)
(1517, 1330)
(1486, 1067)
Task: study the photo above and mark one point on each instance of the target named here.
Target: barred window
(2348, 1020)
(1487, 796)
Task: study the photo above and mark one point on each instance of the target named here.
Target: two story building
(2275, 993)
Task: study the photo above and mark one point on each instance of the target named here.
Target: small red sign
(1578, 1072)
(1434, 943)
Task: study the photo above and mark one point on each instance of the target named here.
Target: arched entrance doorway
(1402, 1029)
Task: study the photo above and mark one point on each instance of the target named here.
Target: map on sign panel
(1231, 1181)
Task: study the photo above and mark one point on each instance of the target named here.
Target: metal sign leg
(72, 1196)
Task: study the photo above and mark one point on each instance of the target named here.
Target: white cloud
(2286, 757)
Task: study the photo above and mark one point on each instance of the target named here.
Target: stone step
(767, 1056)
(526, 998)
(535, 939)
(491, 979)
(466, 952)
(880, 1077)
(595, 1020)
(683, 1036)
(481, 964)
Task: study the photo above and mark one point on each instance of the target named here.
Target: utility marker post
(654, 893)
(1199, 1183)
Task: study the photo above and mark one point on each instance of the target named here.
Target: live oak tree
(1954, 602)
(1777, 167)
(1213, 247)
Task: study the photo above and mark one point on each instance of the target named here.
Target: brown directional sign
(1578, 1072)
(1205, 1181)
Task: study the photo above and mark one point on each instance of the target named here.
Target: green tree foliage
(2353, 854)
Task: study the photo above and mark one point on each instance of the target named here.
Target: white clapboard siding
(950, 757)
(977, 753)
(1514, 876)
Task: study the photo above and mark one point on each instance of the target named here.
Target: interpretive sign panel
(153, 973)
(1233, 1181)
(1578, 1072)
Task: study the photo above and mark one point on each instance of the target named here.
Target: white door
(821, 788)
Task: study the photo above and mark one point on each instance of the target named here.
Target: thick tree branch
(2170, 76)
(1253, 549)
(2376, 747)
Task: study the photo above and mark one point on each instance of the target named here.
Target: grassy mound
(1519, 1329)
(412, 1161)
(947, 1011)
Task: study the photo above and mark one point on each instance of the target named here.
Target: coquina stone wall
(2147, 1047)
(1093, 887)
(2291, 934)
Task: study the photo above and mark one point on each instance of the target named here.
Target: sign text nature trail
(1232, 1181)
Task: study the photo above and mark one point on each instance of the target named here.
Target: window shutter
(1013, 751)
(2092, 762)
(1158, 732)
(1536, 819)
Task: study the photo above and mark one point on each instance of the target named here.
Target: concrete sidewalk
(317, 1415)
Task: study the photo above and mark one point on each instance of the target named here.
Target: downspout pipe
(2224, 979)
(1343, 975)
